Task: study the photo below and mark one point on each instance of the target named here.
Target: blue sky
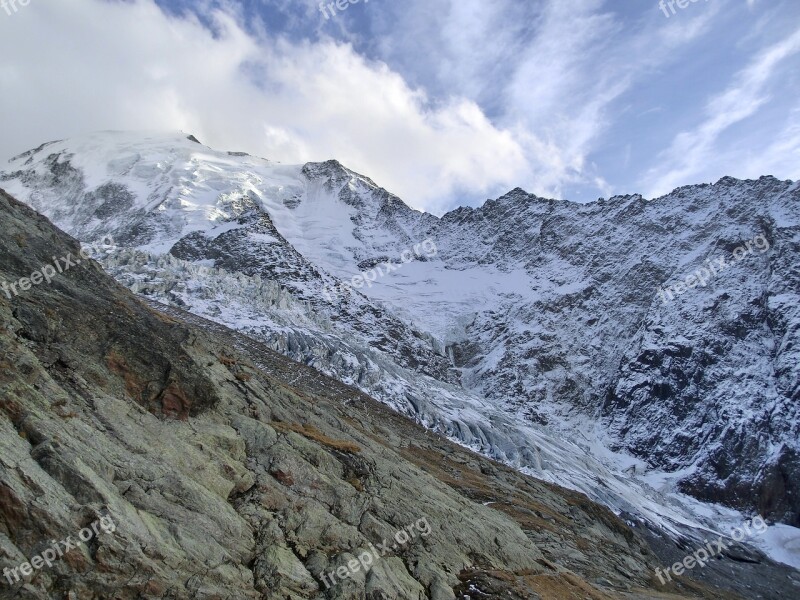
(444, 102)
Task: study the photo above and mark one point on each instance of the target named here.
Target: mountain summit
(648, 344)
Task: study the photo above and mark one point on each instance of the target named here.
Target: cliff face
(673, 322)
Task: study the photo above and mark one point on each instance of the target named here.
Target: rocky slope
(535, 333)
(232, 472)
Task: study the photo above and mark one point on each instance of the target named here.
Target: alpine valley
(534, 331)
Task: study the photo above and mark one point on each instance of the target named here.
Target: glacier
(534, 335)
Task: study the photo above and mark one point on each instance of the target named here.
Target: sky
(445, 103)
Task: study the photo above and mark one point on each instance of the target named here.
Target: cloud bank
(90, 65)
(443, 102)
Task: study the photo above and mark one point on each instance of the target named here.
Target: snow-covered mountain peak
(511, 327)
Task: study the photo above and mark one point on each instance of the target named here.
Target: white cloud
(504, 93)
(551, 71)
(88, 65)
(695, 152)
(781, 157)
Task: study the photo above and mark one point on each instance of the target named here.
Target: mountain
(218, 468)
(560, 338)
